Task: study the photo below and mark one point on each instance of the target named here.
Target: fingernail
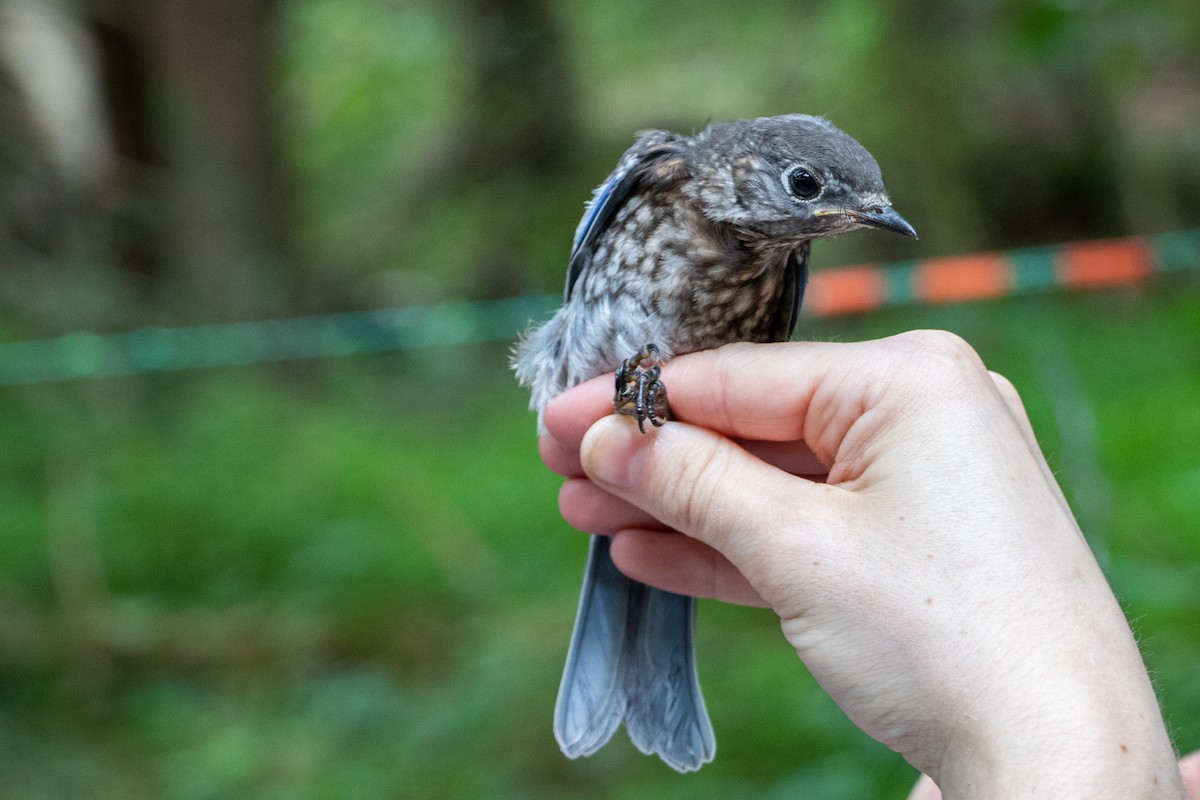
(613, 451)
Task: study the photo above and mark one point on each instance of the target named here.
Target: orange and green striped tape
(839, 290)
(982, 276)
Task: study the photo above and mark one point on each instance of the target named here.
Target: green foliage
(349, 579)
(997, 124)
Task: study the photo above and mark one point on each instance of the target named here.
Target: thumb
(708, 487)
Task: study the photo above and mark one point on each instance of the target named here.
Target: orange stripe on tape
(1104, 263)
(846, 290)
(948, 280)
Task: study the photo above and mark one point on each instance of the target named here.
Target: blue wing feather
(610, 197)
(595, 208)
(632, 171)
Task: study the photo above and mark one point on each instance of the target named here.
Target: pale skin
(888, 500)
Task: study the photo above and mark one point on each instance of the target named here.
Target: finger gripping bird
(691, 243)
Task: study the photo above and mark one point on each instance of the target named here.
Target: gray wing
(795, 279)
(656, 157)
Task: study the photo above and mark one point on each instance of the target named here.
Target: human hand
(931, 577)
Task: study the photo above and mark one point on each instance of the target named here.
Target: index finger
(748, 391)
(753, 391)
(570, 415)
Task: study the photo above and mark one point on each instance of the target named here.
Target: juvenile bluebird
(692, 242)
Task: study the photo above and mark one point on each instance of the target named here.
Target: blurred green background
(347, 577)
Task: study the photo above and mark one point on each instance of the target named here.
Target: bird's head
(789, 179)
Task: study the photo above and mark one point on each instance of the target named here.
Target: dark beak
(884, 218)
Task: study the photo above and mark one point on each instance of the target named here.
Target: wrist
(1076, 758)
(1070, 731)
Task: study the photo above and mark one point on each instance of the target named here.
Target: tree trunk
(189, 98)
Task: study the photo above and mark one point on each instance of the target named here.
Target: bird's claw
(640, 391)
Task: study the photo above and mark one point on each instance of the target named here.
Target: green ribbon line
(83, 354)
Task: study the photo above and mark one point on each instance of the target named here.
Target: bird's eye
(802, 184)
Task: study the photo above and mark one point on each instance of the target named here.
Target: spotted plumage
(691, 243)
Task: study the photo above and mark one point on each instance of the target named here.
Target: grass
(349, 578)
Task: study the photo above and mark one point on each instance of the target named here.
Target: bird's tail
(632, 658)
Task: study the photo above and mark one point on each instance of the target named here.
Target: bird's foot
(640, 391)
